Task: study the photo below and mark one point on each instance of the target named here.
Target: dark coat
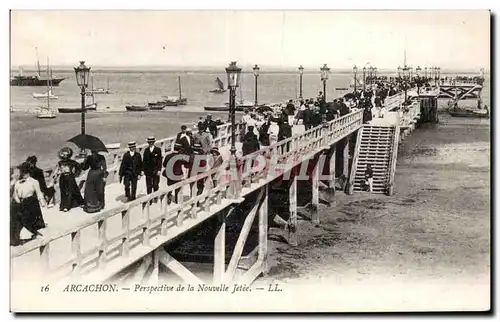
(307, 116)
(131, 166)
(100, 161)
(250, 144)
(151, 162)
(37, 174)
(285, 132)
(212, 127)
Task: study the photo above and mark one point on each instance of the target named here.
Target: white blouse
(26, 188)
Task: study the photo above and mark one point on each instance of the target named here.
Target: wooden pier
(97, 247)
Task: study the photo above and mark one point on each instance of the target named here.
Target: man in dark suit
(211, 125)
(151, 165)
(130, 171)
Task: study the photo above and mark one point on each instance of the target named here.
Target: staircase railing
(354, 167)
(394, 157)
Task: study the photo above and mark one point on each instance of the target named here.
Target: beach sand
(44, 137)
(428, 245)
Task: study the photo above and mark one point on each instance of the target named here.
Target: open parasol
(85, 141)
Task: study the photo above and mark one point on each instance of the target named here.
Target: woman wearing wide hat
(67, 171)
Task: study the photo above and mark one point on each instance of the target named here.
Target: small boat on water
(223, 108)
(46, 112)
(479, 113)
(112, 146)
(137, 108)
(37, 80)
(156, 106)
(219, 87)
(67, 110)
(46, 95)
(175, 100)
(97, 90)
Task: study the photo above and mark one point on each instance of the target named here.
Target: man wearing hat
(211, 125)
(151, 165)
(130, 171)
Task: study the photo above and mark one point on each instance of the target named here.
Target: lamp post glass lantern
(324, 77)
(355, 70)
(82, 73)
(256, 74)
(364, 77)
(301, 72)
(233, 81)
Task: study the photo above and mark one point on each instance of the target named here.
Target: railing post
(101, 227)
(126, 230)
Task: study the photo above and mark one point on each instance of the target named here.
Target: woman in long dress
(28, 196)
(15, 225)
(93, 200)
(67, 170)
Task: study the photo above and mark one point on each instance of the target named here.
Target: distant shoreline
(213, 70)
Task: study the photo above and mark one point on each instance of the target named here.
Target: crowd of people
(32, 188)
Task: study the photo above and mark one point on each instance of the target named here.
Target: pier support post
(345, 153)
(155, 274)
(220, 249)
(263, 231)
(292, 221)
(330, 189)
(315, 190)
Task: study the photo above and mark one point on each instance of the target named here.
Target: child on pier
(369, 177)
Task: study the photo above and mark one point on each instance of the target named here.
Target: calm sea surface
(140, 87)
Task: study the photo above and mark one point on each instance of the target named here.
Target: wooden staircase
(375, 145)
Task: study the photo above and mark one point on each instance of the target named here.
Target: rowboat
(469, 113)
(156, 106)
(223, 108)
(91, 107)
(137, 108)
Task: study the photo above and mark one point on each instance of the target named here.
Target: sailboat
(219, 86)
(46, 112)
(99, 90)
(241, 105)
(174, 100)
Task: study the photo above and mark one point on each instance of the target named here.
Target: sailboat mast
(49, 89)
(38, 61)
(180, 90)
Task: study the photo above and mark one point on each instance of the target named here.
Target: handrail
(394, 157)
(354, 165)
(347, 124)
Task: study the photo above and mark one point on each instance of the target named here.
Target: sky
(449, 39)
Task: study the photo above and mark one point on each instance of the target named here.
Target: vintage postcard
(250, 161)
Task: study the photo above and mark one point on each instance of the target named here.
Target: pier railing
(161, 222)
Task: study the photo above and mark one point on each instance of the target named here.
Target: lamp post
(364, 77)
(425, 74)
(438, 73)
(233, 81)
(375, 72)
(324, 77)
(418, 70)
(406, 78)
(355, 70)
(82, 73)
(256, 75)
(301, 72)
